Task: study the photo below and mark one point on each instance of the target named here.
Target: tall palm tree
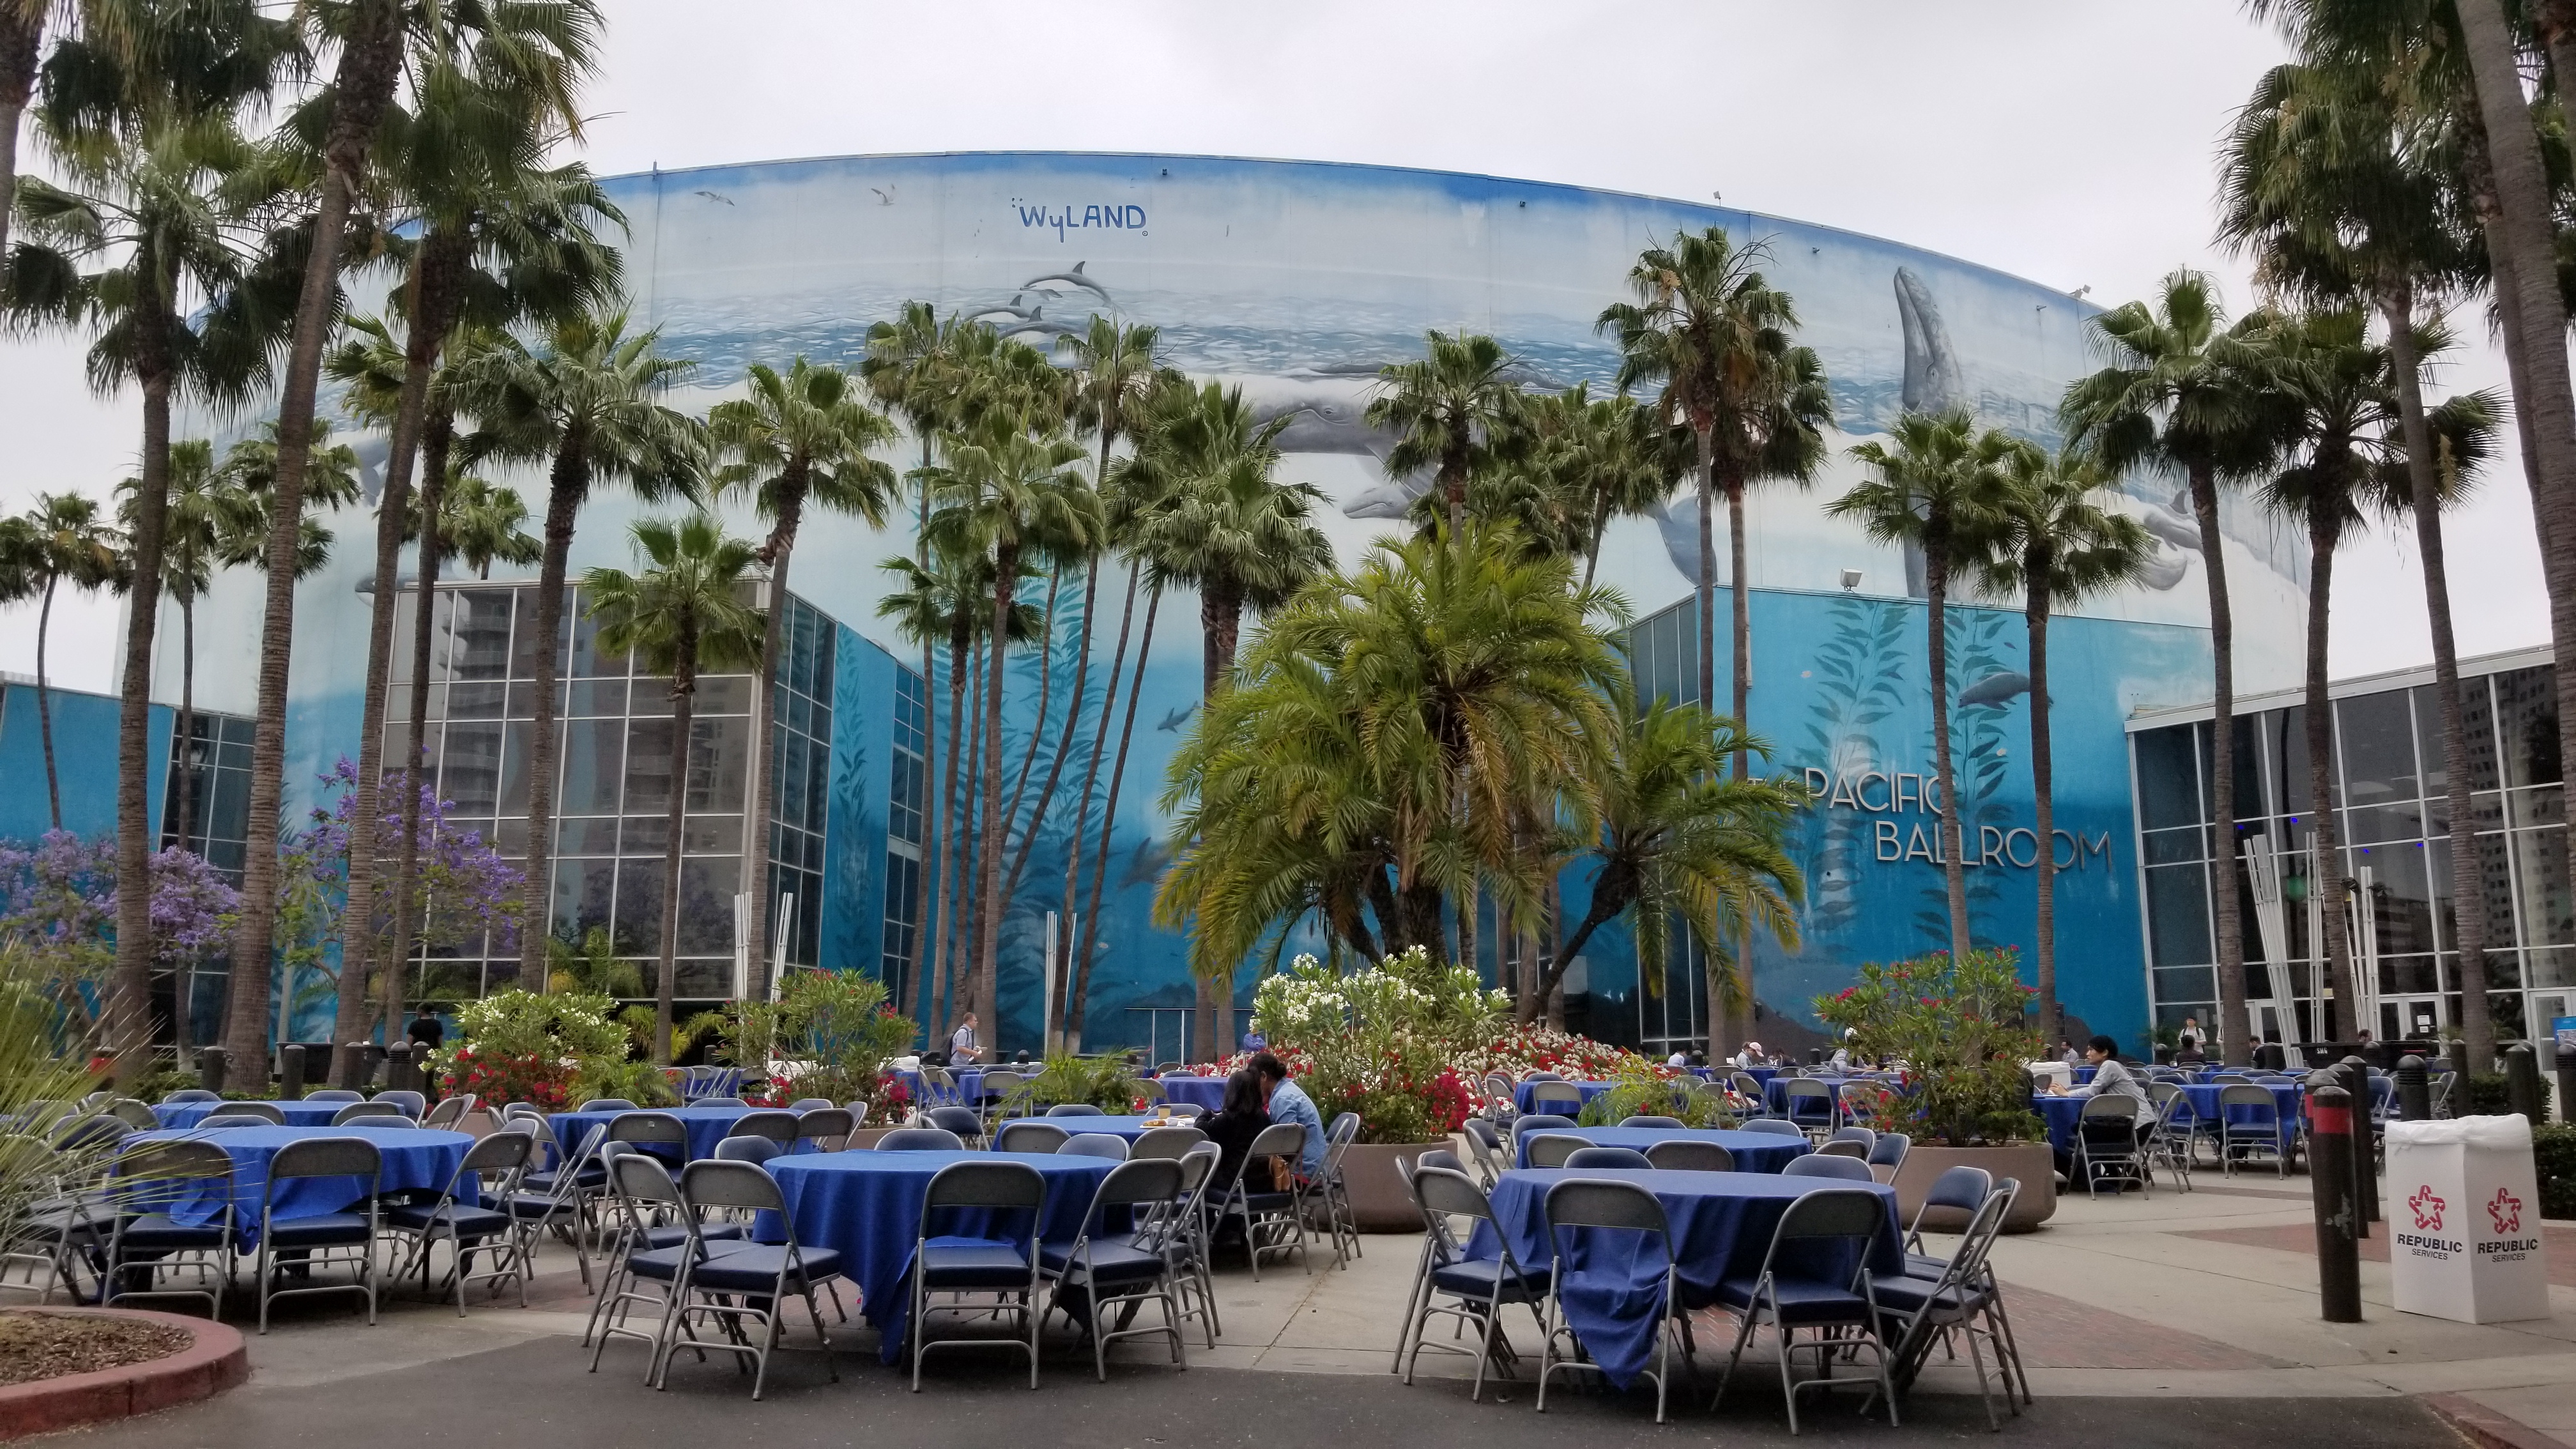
(2055, 545)
(798, 439)
(1012, 494)
(1934, 490)
(481, 523)
(68, 540)
(22, 44)
(1329, 777)
(682, 614)
(1681, 840)
(1456, 411)
(1607, 458)
(1222, 524)
(586, 402)
(1717, 336)
(152, 242)
(2335, 178)
(2180, 392)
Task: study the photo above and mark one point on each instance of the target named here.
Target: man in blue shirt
(1289, 1103)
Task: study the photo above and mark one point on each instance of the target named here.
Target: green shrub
(832, 1032)
(2486, 1094)
(1962, 1032)
(2553, 1154)
(1643, 1093)
(1103, 1082)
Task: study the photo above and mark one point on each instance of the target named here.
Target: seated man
(2111, 1077)
(1289, 1103)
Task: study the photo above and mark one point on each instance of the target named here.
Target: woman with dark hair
(1233, 1125)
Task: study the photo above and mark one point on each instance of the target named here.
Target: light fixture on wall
(1851, 578)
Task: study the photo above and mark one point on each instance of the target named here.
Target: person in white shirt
(961, 1047)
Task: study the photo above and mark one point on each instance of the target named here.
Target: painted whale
(1999, 688)
(1173, 721)
(1933, 380)
(2162, 568)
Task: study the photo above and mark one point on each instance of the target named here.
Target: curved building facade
(1296, 282)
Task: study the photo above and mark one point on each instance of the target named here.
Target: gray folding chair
(1547, 1097)
(365, 1111)
(1664, 1124)
(1685, 1154)
(1775, 1126)
(2106, 1144)
(1029, 1135)
(1845, 1168)
(1327, 1190)
(779, 1127)
(1840, 1311)
(1580, 1205)
(920, 1139)
(1074, 1109)
(1551, 1149)
(321, 1239)
(1271, 1223)
(1617, 1159)
(450, 1110)
(744, 1288)
(492, 1165)
(1127, 1269)
(1485, 1145)
(1096, 1144)
(606, 1104)
(1960, 1299)
(268, 1112)
(828, 1128)
(1844, 1148)
(146, 1183)
(966, 1122)
(1001, 1262)
(1477, 1289)
(409, 1102)
(335, 1094)
(1171, 1142)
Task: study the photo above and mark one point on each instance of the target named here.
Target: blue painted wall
(84, 762)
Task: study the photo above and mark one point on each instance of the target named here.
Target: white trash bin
(2463, 1213)
(2052, 1074)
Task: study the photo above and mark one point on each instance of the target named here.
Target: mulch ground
(48, 1345)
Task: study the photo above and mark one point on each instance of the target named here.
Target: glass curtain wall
(1663, 659)
(906, 831)
(2392, 791)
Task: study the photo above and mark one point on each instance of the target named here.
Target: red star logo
(2506, 1212)
(2428, 1209)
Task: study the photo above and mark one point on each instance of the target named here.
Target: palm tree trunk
(22, 41)
(2325, 869)
(130, 999)
(436, 433)
(563, 510)
(44, 702)
(1038, 721)
(187, 729)
(684, 685)
(2529, 230)
(1743, 592)
(2043, 780)
(1063, 744)
(943, 1002)
(1109, 818)
(1936, 589)
(778, 554)
(988, 864)
(2235, 1036)
(369, 57)
(1707, 571)
(2468, 913)
(1220, 627)
(1082, 810)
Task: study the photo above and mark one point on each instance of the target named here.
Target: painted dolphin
(1145, 864)
(2161, 569)
(1173, 721)
(1074, 278)
(1998, 688)
(1010, 308)
(1047, 325)
(2173, 528)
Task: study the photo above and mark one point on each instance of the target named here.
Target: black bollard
(371, 1062)
(2332, 1135)
(2522, 1083)
(2414, 1092)
(2458, 1051)
(290, 1073)
(2566, 1085)
(399, 1076)
(210, 1069)
(2365, 1178)
(348, 1061)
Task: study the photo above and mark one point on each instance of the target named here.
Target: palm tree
(1679, 839)
(798, 439)
(1012, 494)
(585, 401)
(2180, 392)
(2055, 546)
(67, 541)
(152, 243)
(1708, 327)
(1605, 458)
(1456, 410)
(1222, 524)
(1329, 777)
(2328, 180)
(1935, 490)
(684, 613)
(22, 44)
(210, 520)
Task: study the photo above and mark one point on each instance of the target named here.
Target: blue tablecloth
(1130, 1126)
(970, 1087)
(2285, 1097)
(1754, 1151)
(1522, 1101)
(1775, 1093)
(707, 1126)
(1207, 1092)
(413, 1159)
(1722, 1224)
(867, 1205)
(297, 1114)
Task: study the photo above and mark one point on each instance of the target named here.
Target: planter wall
(2029, 1162)
(1379, 1201)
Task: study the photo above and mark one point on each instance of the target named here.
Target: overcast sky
(2071, 144)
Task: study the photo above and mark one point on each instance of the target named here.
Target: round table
(297, 1114)
(1206, 1092)
(1722, 1223)
(1128, 1126)
(1753, 1151)
(413, 1159)
(706, 1126)
(1524, 1102)
(2286, 1103)
(867, 1207)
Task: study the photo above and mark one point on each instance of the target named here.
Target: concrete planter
(1379, 1201)
(2031, 1163)
(215, 1360)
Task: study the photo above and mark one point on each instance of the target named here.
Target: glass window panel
(2286, 746)
(2178, 915)
(2187, 983)
(791, 778)
(699, 979)
(480, 637)
(2552, 966)
(707, 887)
(719, 751)
(2477, 720)
(2527, 721)
(2378, 745)
(2537, 808)
(648, 766)
(578, 836)
(2173, 847)
(649, 696)
(584, 892)
(711, 835)
(475, 701)
(510, 836)
(398, 667)
(470, 772)
(523, 642)
(639, 908)
(2510, 1024)
(643, 836)
(2400, 895)
(596, 697)
(2168, 785)
(523, 699)
(584, 659)
(518, 737)
(594, 766)
(2540, 863)
(724, 694)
